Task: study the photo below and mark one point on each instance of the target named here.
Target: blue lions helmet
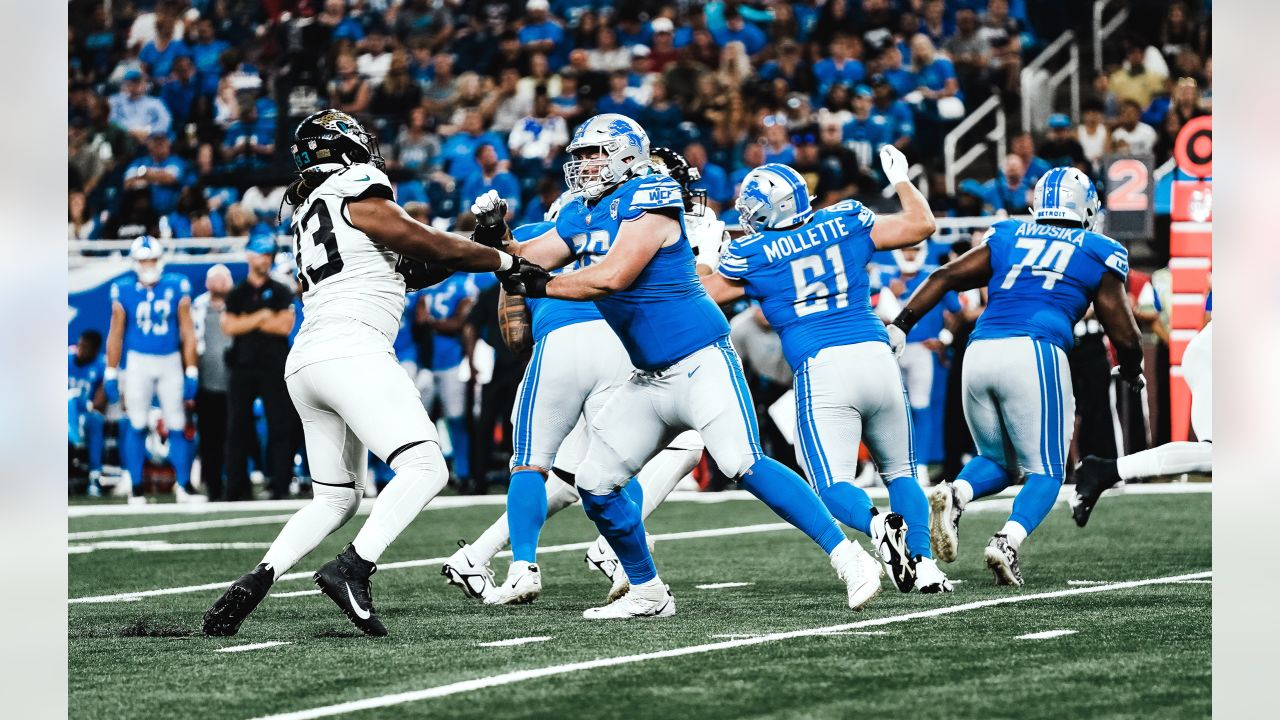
(1065, 193)
(625, 149)
(773, 196)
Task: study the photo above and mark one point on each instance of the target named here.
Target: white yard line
(295, 593)
(515, 641)
(178, 527)
(252, 646)
(162, 546)
(1088, 582)
(554, 670)
(719, 586)
(1046, 635)
(456, 501)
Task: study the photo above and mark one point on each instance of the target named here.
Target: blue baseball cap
(262, 241)
(132, 74)
(1059, 121)
(863, 91)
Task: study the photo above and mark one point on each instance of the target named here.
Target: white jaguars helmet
(626, 154)
(1065, 193)
(773, 196)
(553, 212)
(144, 250)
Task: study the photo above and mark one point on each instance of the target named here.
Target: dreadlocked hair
(299, 190)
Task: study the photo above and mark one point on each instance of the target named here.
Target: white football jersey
(345, 275)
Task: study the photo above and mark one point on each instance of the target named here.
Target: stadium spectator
(840, 174)
(1004, 34)
(1009, 190)
(159, 172)
(206, 54)
(397, 94)
(415, 145)
(1095, 138)
(442, 87)
(259, 316)
(790, 68)
(777, 140)
(736, 29)
(663, 52)
(248, 143)
(459, 152)
(619, 99)
(1023, 146)
(80, 224)
(489, 175)
(182, 91)
(349, 92)
(971, 53)
(540, 80)
(505, 105)
(1130, 134)
(135, 111)
(607, 56)
(843, 65)
(935, 24)
(540, 33)
(539, 135)
(1179, 32)
(160, 53)
(375, 61)
(895, 114)
(1135, 81)
(892, 68)
(714, 180)
(1061, 146)
(89, 155)
(212, 346)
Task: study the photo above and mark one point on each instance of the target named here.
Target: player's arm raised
(1111, 305)
(970, 270)
(637, 242)
(915, 223)
(389, 225)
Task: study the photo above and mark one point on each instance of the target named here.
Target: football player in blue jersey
(627, 230)
(807, 268)
(1040, 278)
(443, 308)
(85, 369)
(151, 329)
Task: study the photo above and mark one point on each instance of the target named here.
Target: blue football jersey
(665, 315)
(548, 313)
(84, 379)
(812, 280)
(405, 348)
(151, 313)
(1043, 278)
(442, 302)
(928, 327)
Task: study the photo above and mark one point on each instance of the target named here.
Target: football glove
(524, 278)
(111, 385)
(897, 339)
(190, 383)
(491, 220)
(1132, 377)
(894, 164)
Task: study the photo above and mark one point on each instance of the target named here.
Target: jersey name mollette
(814, 236)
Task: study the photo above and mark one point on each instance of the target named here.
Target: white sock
(845, 552)
(420, 475)
(329, 509)
(1015, 532)
(649, 587)
(964, 492)
(660, 475)
(490, 542)
(1172, 458)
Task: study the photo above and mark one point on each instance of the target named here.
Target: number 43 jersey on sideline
(346, 277)
(1043, 278)
(812, 281)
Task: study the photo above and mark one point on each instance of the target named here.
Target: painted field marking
(736, 636)
(162, 546)
(510, 678)
(295, 593)
(719, 586)
(178, 527)
(515, 641)
(252, 646)
(1088, 582)
(1196, 582)
(1047, 634)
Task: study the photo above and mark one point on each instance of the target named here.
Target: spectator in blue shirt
(619, 99)
(541, 34)
(159, 54)
(1008, 191)
(935, 75)
(458, 156)
(738, 30)
(248, 143)
(206, 52)
(161, 172)
(902, 79)
(714, 179)
(901, 127)
(489, 175)
(866, 132)
(1033, 167)
(180, 93)
(843, 66)
(138, 113)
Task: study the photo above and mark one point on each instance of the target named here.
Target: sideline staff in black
(259, 316)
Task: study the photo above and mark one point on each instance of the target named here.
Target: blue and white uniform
(85, 424)
(814, 289)
(152, 345)
(1017, 384)
(438, 376)
(917, 360)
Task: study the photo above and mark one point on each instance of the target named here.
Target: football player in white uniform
(356, 250)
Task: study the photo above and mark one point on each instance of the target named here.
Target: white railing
(1103, 30)
(205, 250)
(955, 165)
(1039, 88)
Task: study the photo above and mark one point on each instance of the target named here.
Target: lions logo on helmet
(1065, 193)
(625, 147)
(330, 140)
(773, 196)
(147, 255)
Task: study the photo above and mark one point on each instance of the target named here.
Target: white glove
(897, 339)
(894, 164)
(486, 203)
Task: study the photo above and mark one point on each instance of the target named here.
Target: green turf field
(1136, 651)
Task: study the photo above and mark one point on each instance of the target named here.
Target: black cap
(879, 79)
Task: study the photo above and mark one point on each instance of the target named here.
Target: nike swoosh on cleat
(355, 606)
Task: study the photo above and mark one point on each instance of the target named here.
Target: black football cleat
(345, 580)
(226, 615)
(1094, 476)
(1002, 558)
(889, 537)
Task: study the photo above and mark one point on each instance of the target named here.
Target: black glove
(1132, 377)
(524, 278)
(491, 220)
(419, 275)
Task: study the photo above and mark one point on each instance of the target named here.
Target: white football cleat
(600, 556)
(475, 580)
(181, 495)
(930, 578)
(860, 572)
(523, 586)
(944, 521)
(655, 600)
(137, 499)
(889, 538)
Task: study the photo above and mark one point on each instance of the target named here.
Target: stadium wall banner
(1129, 202)
(1191, 256)
(89, 288)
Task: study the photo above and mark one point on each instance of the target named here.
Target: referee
(259, 317)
